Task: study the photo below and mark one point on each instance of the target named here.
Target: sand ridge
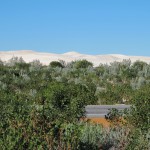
(46, 58)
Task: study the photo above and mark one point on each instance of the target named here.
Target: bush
(139, 115)
(138, 141)
(55, 64)
(82, 64)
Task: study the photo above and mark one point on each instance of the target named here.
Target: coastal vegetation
(41, 106)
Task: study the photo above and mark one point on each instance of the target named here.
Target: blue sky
(85, 26)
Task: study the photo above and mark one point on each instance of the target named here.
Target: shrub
(139, 115)
(55, 64)
(82, 64)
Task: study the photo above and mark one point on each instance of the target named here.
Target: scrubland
(41, 106)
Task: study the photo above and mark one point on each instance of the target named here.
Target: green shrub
(55, 64)
(138, 141)
(139, 114)
(82, 64)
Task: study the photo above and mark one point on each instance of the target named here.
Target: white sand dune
(46, 58)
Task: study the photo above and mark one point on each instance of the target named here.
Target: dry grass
(102, 121)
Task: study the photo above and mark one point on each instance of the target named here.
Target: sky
(85, 26)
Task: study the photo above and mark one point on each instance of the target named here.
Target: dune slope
(46, 58)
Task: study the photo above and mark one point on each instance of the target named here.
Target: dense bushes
(138, 118)
(41, 106)
(140, 111)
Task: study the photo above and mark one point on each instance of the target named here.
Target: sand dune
(46, 58)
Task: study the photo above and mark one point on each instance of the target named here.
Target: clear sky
(85, 26)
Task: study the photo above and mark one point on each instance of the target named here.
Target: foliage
(96, 137)
(54, 64)
(82, 64)
(139, 115)
(41, 106)
(63, 100)
(115, 117)
(137, 140)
